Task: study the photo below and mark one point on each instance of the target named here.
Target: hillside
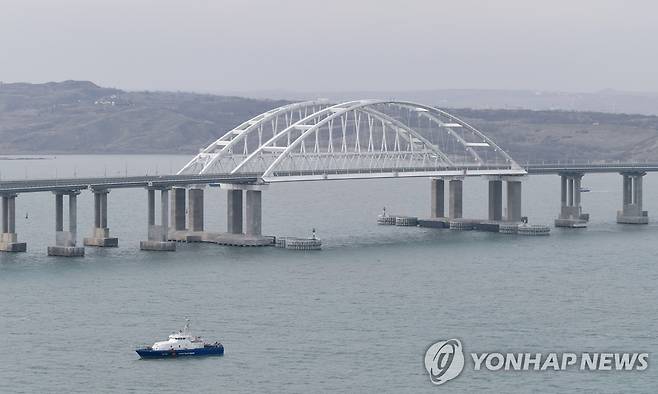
(564, 135)
(81, 117)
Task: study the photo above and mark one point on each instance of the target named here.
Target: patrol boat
(181, 343)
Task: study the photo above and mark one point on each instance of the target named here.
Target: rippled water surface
(354, 317)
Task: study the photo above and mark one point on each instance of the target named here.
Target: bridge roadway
(582, 168)
(44, 185)
(62, 184)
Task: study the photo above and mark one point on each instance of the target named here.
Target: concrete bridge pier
(437, 198)
(243, 216)
(631, 212)
(253, 213)
(186, 223)
(178, 208)
(571, 214)
(158, 234)
(513, 206)
(234, 211)
(9, 239)
(65, 241)
(513, 199)
(495, 199)
(248, 197)
(455, 187)
(195, 209)
(100, 233)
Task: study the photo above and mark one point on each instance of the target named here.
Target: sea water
(356, 316)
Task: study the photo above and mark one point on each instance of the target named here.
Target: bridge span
(318, 141)
(590, 167)
(571, 175)
(96, 183)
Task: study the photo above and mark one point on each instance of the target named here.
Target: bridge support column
(180, 230)
(631, 212)
(158, 235)
(178, 209)
(234, 211)
(151, 207)
(244, 230)
(563, 191)
(195, 209)
(65, 241)
(437, 198)
(455, 198)
(253, 213)
(8, 238)
(571, 214)
(101, 233)
(495, 199)
(513, 200)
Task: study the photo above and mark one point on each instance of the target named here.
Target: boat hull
(204, 351)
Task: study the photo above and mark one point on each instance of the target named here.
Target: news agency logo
(444, 360)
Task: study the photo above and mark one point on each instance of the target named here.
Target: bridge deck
(558, 168)
(44, 185)
(41, 185)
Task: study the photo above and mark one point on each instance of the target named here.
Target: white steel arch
(224, 153)
(358, 139)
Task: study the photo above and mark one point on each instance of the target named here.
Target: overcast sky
(310, 45)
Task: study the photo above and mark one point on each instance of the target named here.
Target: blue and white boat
(181, 344)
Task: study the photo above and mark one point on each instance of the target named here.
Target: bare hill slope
(81, 117)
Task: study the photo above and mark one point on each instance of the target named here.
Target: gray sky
(309, 45)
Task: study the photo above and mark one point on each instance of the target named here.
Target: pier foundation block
(9, 243)
(101, 237)
(66, 251)
(161, 246)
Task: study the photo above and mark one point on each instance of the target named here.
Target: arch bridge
(361, 139)
(317, 140)
(311, 140)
